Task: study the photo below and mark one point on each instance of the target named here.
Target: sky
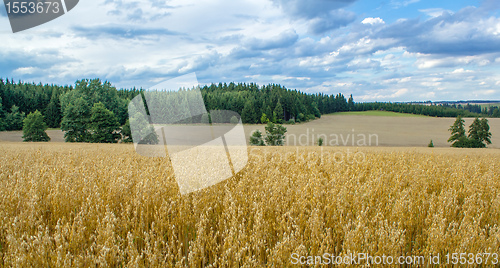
(389, 50)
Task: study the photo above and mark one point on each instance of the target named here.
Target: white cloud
(132, 43)
(373, 21)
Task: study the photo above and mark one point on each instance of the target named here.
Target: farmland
(82, 205)
(392, 130)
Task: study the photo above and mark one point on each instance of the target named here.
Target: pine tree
(256, 139)
(104, 127)
(275, 134)
(34, 128)
(458, 138)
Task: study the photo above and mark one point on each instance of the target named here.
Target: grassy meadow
(88, 205)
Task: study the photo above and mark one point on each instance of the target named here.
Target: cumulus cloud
(322, 15)
(309, 45)
(373, 21)
(334, 20)
(285, 39)
(466, 32)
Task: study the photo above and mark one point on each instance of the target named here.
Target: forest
(251, 101)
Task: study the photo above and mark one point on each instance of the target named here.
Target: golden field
(83, 205)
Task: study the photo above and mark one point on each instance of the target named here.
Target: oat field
(74, 205)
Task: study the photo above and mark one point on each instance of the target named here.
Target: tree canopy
(34, 128)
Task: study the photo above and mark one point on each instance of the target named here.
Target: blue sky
(408, 50)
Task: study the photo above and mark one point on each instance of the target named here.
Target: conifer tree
(458, 138)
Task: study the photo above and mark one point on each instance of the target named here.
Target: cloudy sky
(377, 50)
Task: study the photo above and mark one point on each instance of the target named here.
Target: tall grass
(104, 205)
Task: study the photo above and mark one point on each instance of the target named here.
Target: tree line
(80, 110)
(441, 110)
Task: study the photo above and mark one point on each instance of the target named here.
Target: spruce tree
(53, 112)
(479, 133)
(278, 113)
(247, 115)
(458, 138)
(14, 119)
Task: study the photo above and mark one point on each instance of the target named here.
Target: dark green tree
(278, 113)
(104, 127)
(126, 132)
(2, 115)
(14, 120)
(458, 138)
(52, 112)
(75, 122)
(479, 133)
(320, 142)
(256, 139)
(275, 134)
(34, 128)
(248, 113)
(431, 144)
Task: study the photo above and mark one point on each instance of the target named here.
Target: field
(349, 129)
(380, 113)
(84, 205)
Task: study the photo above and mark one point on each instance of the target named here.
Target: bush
(431, 144)
(320, 142)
